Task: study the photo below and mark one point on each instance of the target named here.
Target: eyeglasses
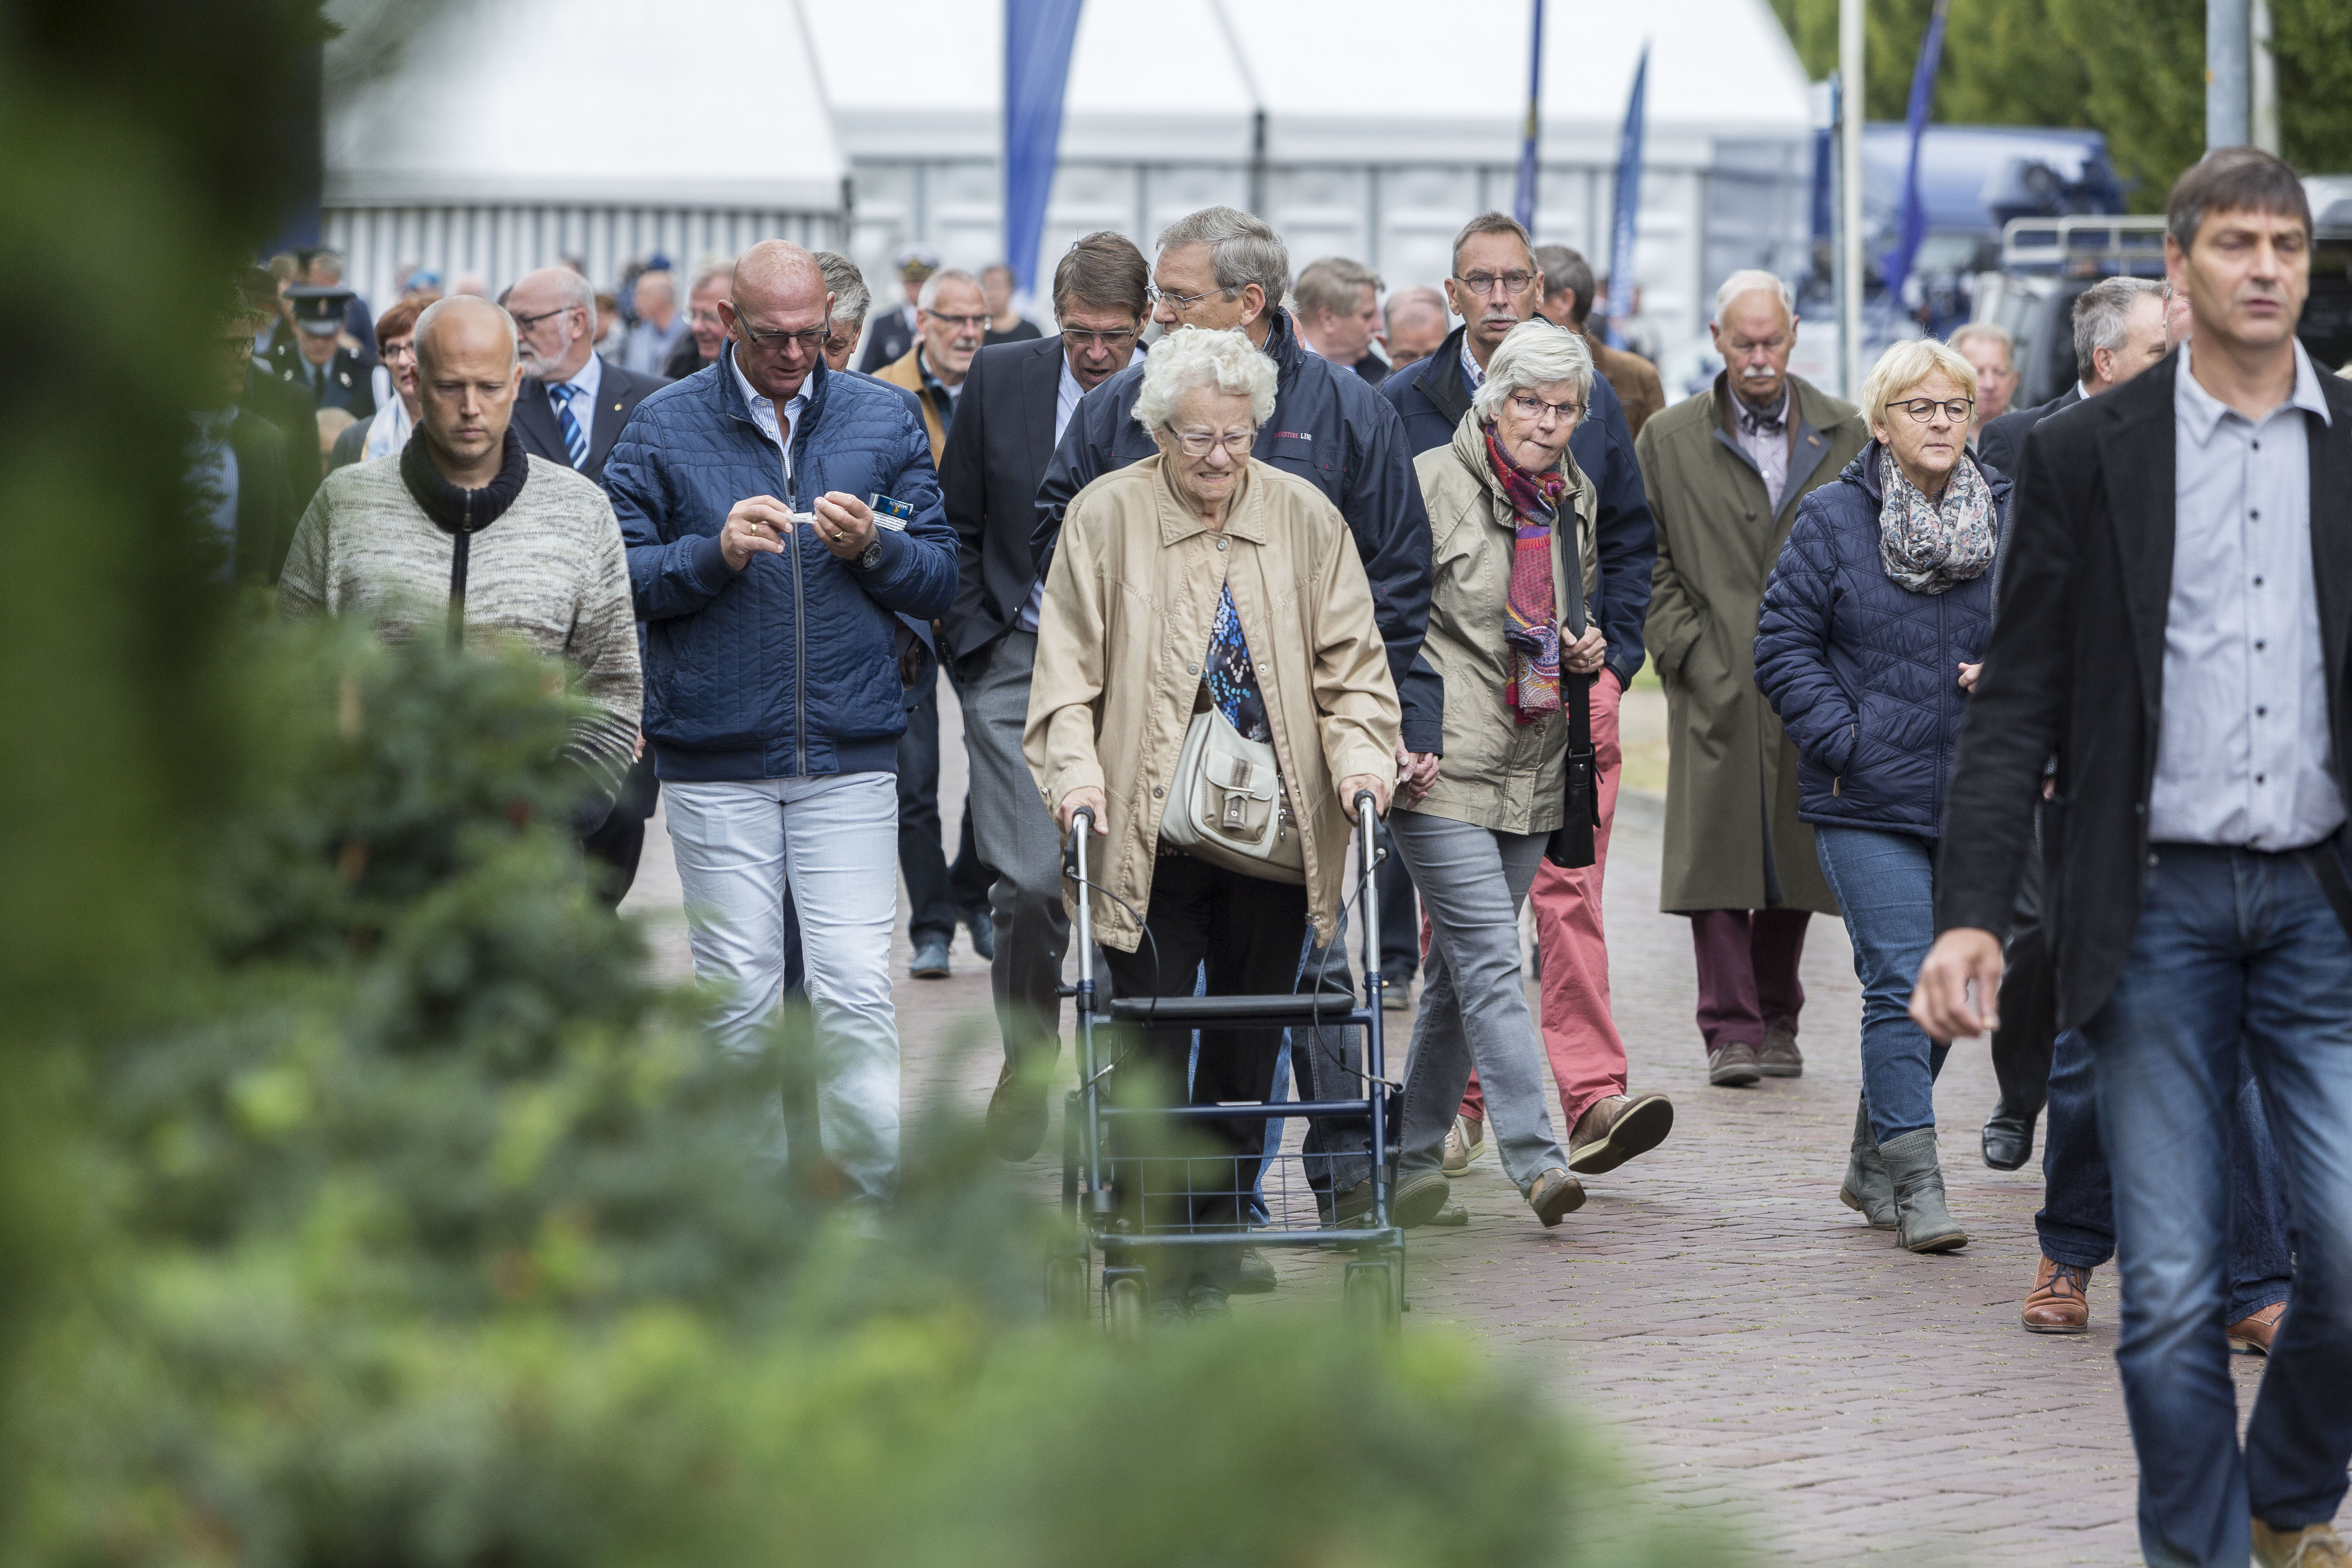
(1099, 341)
(1535, 407)
(707, 319)
(969, 324)
(1483, 283)
(1159, 296)
(811, 340)
(1924, 409)
(1196, 443)
(404, 349)
(531, 323)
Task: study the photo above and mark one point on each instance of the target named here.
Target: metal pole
(2228, 34)
(1852, 99)
(2265, 80)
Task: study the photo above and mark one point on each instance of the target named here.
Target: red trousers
(1580, 1036)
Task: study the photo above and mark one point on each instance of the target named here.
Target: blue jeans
(2077, 1222)
(2231, 944)
(1886, 885)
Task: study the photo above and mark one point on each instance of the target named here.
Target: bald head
(462, 323)
(777, 314)
(467, 370)
(1416, 324)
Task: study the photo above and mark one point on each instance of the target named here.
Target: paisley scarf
(1930, 546)
(1532, 627)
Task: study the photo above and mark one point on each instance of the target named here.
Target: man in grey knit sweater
(465, 533)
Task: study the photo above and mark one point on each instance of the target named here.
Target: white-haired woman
(1507, 510)
(1202, 584)
(1872, 623)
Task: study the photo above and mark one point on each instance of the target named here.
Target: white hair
(928, 299)
(1532, 354)
(1749, 279)
(1193, 357)
(576, 292)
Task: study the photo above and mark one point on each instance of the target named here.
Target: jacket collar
(1177, 521)
(1864, 468)
(1283, 347)
(731, 401)
(1470, 448)
(1810, 412)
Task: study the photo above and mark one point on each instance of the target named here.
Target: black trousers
(1400, 916)
(614, 849)
(937, 896)
(2022, 1046)
(1248, 934)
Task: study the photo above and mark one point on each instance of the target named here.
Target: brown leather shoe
(1732, 1065)
(1555, 1196)
(1017, 1114)
(2313, 1546)
(2252, 1335)
(2060, 1302)
(1779, 1056)
(1615, 1128)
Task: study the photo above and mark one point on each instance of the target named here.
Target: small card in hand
(889, 513)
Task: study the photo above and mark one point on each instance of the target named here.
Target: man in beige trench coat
(1725, 471)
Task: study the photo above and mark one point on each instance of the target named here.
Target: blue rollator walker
(1096, 1181)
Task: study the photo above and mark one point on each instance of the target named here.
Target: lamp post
(1852, 100)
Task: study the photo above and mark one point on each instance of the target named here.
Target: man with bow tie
(1725, 471)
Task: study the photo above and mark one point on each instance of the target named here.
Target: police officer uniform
(343, 382)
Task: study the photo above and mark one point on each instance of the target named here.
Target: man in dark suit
(236, 474)
(2119, 332)
(316, 361)
(1335, 306)
(894, 329)
(571, 409)
(2175, 624)
(1017, 400)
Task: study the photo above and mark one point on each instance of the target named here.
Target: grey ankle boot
(1923, 1224)
(1868, 1190)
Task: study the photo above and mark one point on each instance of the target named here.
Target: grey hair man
(1218, 268)
(576, 401)
(1414, 323)
(851, 300)
(661, 325)
(706, 325)
(1336, 303)
(1988, 346)
(2120, 330)
(951, 323)
(1725, 470)
(466, 534)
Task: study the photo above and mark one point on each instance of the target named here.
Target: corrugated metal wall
(503, 242)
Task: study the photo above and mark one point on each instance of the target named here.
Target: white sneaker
(1463, 1143)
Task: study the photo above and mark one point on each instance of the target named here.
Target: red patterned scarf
(1532, 630)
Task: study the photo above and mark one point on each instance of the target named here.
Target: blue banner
(1627, 209)
(1523, 202)
(1913, 227)
(1038, 37)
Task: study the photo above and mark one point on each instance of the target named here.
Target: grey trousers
(1015, 833)
(1473, 1004)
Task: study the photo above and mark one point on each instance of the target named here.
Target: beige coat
(1498, 773)
(1130, 602)
(1730, 771)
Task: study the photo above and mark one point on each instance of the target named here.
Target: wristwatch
(871, 556)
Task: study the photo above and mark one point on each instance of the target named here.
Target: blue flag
(1039, 38)
(1912, 228)
(1523, 202)
(1627, 209)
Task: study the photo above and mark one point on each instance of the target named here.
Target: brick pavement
(1755, 1351)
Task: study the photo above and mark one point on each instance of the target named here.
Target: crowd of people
(2048, 705)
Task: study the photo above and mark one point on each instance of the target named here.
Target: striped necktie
(576, 439)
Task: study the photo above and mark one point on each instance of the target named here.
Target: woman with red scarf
(1508, 509)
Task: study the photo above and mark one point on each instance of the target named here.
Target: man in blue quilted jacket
(770, 577)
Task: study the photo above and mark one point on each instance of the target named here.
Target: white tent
(509, 133)
(1386, 123)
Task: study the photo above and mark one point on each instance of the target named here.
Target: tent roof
(582, 101)
(1342, 80)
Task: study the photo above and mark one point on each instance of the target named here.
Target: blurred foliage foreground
(413, 1227)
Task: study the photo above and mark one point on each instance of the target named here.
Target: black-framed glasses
(812, 339)
(1100, 340)
(1159, 296)
(1196, 443)
(1924, 409)
(531, 323)
(1483, 283)
(1534, 407)
(977, 323)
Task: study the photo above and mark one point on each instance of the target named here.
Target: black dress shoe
(2009, 1137)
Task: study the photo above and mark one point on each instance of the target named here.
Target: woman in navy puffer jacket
(1872, 623)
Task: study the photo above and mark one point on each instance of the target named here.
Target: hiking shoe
(1418, 1197)
(1615, 1128)
(2313, 1546)
(1733, 1065)
(1464, 1139)
(1779, 1056)
(1555, 1196)
(1257, 1276)
(930, 961)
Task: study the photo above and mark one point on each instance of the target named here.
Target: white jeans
(833, 841)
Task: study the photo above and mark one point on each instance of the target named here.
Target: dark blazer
(349, 384)
(617, 396)
(288, 408)
(1428, 394)
(265, 513)
(890, 340)
(1024, 331)
(2075, 670)
(995, 457)
(2003, 441)
(684, 359)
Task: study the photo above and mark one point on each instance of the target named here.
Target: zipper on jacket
(800, 620)
(459, 551)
